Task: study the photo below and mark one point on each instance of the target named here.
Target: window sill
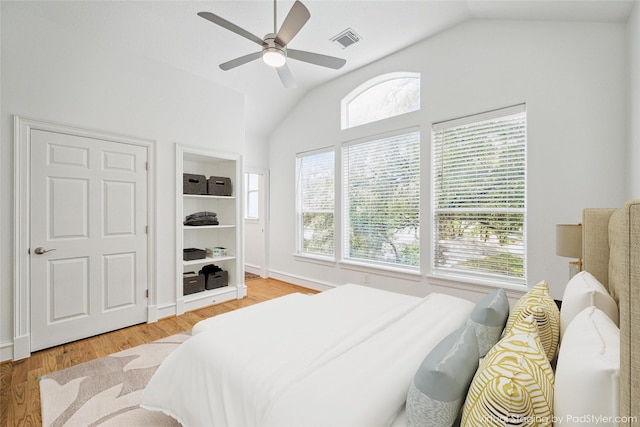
(379, 270)
(315, 259)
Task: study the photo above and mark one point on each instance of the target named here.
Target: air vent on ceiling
(346, 38)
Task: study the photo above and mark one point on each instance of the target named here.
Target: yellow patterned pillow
(514, 384)
(539, 304)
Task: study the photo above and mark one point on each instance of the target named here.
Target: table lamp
(569, 244)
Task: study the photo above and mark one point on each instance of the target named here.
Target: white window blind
(382, 200)
(315, 202)
(479, 195)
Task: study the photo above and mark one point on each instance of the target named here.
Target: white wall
(257, 152)
(633, 161)
(572, 77)
(52, 74)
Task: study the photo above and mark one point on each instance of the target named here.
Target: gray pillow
(489, 318)
(440, 385)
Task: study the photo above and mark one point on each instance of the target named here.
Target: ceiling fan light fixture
(274, 57)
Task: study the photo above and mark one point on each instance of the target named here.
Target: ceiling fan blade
(240, 61)
(295, 20)
(231, 27)
(286, 77)
(316, 58)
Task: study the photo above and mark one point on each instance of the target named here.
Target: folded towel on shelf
(201, 214)
(201, 218)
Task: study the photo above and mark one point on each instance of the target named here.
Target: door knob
(40, 250)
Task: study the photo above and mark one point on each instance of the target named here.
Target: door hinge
(146, 229)
(146, 165)
(147, 293)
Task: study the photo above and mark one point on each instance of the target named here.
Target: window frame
(479, 277)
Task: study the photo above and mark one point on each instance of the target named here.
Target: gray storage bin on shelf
(219, 186)
(192, 283)
(219, 279)
(190, 254)
(194, 184)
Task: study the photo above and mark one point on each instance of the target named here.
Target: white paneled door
(88, 240)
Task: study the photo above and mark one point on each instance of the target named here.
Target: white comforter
(344, 357)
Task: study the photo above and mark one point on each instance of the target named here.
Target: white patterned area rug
(107, 391)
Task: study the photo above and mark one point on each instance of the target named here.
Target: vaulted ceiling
(171, 32)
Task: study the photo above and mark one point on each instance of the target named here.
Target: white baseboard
(6, 351)
(254, 269)
(301, 281)
(21, 347)
(168, 310)
(152, 314)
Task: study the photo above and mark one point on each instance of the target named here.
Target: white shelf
(207, 196)
(200, 227)
(208, 259)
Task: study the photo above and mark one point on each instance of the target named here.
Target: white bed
(339, 358)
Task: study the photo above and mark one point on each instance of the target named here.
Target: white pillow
(582, 291)
(587, 372)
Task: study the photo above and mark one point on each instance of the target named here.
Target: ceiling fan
(274, 50)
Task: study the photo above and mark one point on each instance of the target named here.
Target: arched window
(380, 98)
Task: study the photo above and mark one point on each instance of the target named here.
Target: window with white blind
(479, 195)
(315, 195)
(381, 185)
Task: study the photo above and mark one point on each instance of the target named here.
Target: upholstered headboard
(611, 251)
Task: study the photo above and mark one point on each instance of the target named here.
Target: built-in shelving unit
(227, 234)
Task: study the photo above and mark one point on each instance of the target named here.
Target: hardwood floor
(20, 391)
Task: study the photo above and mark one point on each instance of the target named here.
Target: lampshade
(569, 240)
(273, 57)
